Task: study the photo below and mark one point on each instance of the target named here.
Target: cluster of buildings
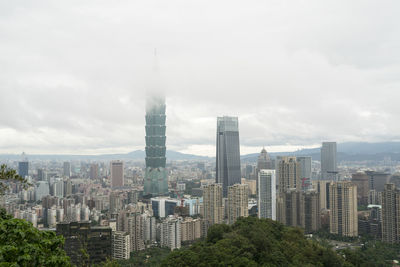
(112, 209)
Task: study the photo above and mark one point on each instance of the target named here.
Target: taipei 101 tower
(155, 180)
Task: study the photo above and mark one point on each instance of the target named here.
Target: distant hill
(350, 151)
(136, 155)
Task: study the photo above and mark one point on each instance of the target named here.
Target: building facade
(238, 200)
(391, 214)
(117, 173)
(155, 180)
(343, 208)
(213, 211)
(266, 194)
(228, 153)
(328, 161)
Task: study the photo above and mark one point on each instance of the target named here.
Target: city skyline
(75, 76)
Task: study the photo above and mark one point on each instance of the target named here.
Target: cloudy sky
(73, 74)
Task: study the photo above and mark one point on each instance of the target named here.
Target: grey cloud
(74, 75)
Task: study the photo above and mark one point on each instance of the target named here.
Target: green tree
(8, 175)
(21, 244)
(255, 242)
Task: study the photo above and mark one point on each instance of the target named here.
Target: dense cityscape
(199, 133)
(119, 207)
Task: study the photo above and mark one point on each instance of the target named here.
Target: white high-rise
(267, 194)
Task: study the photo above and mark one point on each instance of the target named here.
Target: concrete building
(117, 174)
(170, 233)
(42, 189)
(360, 179)
(191, 229)
(288, 172)
(305, 172)
(328, 161)
(120, 245)
(67, 169)
(391, 214)
(94, 171)
(311, 220)
(212, 204)
(163, 206)
(343, 208)
(135, 227)
(266, 194)
(322, 187)
(228, 153)
(377, 180)
(238, 200)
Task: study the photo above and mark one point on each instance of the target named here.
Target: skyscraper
(288, 174)
(328, 161)
(155, 181)
(23, 168)
(343, 207)
(267, 194)
(228, 153)
(117, 174)
(238, 200)
(360, 179)
(212, 203)
(305, 172)
(67, 169)
(391, 214)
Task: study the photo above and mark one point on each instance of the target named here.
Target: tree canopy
(21, 244)
(255, 242)
(10, 175)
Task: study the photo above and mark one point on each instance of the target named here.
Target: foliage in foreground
(255, 242)
(21, 244)
(149, 257)
(8, 175)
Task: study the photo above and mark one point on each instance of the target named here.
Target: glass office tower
(155, 181)
(228, 153)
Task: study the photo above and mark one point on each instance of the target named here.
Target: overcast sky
(73, 74)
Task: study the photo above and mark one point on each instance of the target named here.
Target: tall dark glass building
(155, 181)
(23, 168)
(228, 153)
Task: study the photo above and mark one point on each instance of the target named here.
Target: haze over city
(74, 75)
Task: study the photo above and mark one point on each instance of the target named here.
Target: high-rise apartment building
(328, 161)
(228, 153)
(343, 208)
(94, 171)
(305, 172)
(288, 170)
(134, 226)
(311, 220)
(67, 169)
(264, 161)
(299, 209)
(155, 180)
(360, 179)
(23, 168)
(391, 214)
(212, 204)
(322, 187)
(266, 194)
(238, 200)
(377, 180)
(171, 233)
(120, 245)
(42, 175)
(117, 174)
(191, 229)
